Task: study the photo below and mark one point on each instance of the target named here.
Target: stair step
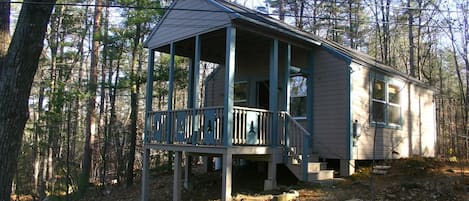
(381, 169)
(316, 166)
(321, 175)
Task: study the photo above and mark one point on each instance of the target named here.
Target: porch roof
(230, 14)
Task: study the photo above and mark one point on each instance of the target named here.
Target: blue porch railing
(204, 126)
(297, 142)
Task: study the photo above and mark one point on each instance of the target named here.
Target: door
(263, 94)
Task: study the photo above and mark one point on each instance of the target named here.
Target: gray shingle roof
(243, 13)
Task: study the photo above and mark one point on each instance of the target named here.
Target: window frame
(387, 122)
(292, 75)
(241, 102)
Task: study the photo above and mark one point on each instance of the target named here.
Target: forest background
(86, 103)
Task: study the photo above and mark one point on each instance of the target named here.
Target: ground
(408, 179)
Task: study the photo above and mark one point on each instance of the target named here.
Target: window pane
(241, 92)
(393, 92)
(298, 106)
(394, 114)
(298, 86)
(378, 90)
(378, 112)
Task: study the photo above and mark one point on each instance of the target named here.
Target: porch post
(148, 108)
(308, 143)
(177, 176)
(273, 88)
(229, 85)
(226, 176)
(310, 93)
(286, 102)
(195, 82)
(271, 182)
(286, 87)
(170, 92)
(193, 103)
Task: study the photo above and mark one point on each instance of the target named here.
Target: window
(386, 102)
(241, 93)
(298, 93)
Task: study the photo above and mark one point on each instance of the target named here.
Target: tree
(90, 131)
(4, 27)
(138, 22)
(17, 69)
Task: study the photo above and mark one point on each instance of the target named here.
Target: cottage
(279, 95)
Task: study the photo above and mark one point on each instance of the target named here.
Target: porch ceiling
(213, 45)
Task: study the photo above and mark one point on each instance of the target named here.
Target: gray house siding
(416, 135)
(253, 68)
(214, 87)
(330, 105)
(191, 17)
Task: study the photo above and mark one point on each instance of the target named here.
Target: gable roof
(226, 12)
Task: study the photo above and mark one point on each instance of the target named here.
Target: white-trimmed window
(298, 94)
(386, 102)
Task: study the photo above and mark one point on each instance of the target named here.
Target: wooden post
(195, 82)
(229, 85)
(187, 171)
(271, 182)
(148, 108)
(170, 93)
(273, 89)
(286, 86)
(308, 141)
(193, 102)
(226, 176)
(177, 176)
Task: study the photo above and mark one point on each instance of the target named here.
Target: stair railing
(296, 141)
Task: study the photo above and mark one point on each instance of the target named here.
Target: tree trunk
(90, 131)
(103, 106)
(411, 40)
(281, 10)
(134, 107)
(17, 71)
(4, 27)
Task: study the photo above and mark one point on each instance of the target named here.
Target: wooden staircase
(298, 156)
(316, 171)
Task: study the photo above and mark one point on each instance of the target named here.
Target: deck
(201, 131)
(257, 134)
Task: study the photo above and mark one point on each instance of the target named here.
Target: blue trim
(308, 141)
(170, 91)
(190, 87)
(349, 122)
(195, 82)
(149, 93)
(337, 53)
(273, 88)
(286, 81)
(229, 87)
